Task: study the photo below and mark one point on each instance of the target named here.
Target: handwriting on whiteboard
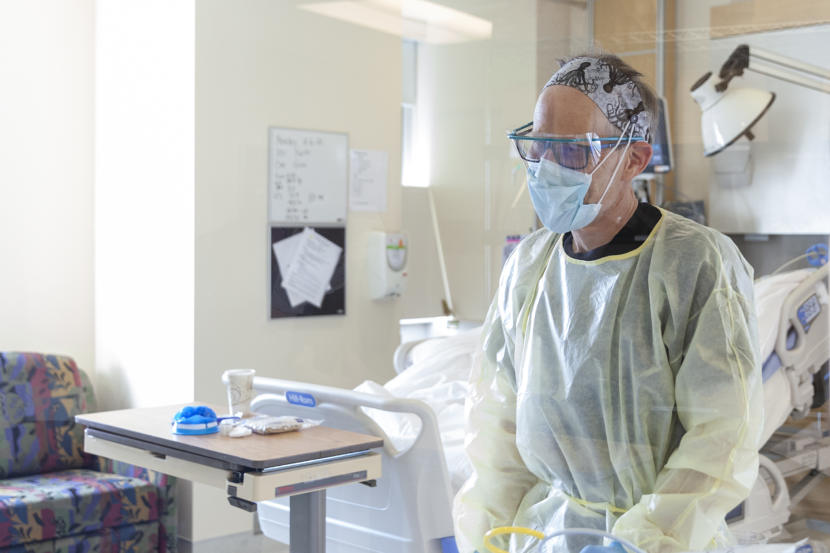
(307, 176)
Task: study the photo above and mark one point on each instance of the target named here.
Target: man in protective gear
(619, 386)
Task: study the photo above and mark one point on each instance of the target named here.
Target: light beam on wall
(419, 20)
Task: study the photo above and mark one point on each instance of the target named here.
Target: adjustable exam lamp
(729, 115)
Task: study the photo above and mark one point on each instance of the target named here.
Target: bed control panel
(808, 312)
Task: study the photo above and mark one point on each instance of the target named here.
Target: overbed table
(301, 464)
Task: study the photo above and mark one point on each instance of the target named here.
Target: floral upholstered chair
(54, 497)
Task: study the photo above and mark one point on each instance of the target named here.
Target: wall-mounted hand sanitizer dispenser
(388, 253)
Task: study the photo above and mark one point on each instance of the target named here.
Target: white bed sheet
(437, 376)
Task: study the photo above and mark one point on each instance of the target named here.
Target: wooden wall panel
(625, 25)
(645, 64)
(628, 28)
(755, 16)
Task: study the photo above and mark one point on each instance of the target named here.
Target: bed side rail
(424, 459)
(795, 312)
(353, 401)
(806, 310)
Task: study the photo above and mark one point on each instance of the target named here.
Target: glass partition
(758, 176)
(743, 149)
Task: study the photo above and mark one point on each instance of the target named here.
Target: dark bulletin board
(334, 300)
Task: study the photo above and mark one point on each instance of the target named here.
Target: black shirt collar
(629, 238)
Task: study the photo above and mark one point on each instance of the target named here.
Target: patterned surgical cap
(615, 94)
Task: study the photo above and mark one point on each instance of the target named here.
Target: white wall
(471, 93)
(270, 64)
(144, 207)
(790, 156)
(790, 160)
(692, 171)
(46, 184)
(563, 29)
(144, 202)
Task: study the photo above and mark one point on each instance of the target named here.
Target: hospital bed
(794, 327)
(423, 463)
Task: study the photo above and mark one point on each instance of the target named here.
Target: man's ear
(639, 154)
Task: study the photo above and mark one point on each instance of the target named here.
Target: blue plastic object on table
(195, 420)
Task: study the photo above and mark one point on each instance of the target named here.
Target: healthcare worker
(619, 386)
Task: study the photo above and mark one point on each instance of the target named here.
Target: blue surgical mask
(557, 193)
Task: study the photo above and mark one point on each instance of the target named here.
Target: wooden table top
(152, 425)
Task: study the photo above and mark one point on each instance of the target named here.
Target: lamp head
(727, 114)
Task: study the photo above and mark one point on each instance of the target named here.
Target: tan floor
(816, 505)
(237, 543)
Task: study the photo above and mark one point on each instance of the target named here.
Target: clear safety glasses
(571, 151)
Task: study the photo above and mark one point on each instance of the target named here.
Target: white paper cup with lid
(240, 383)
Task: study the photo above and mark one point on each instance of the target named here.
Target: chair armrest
(167, 490)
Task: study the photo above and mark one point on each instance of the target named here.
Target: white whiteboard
(307, 176)
(790, 190)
